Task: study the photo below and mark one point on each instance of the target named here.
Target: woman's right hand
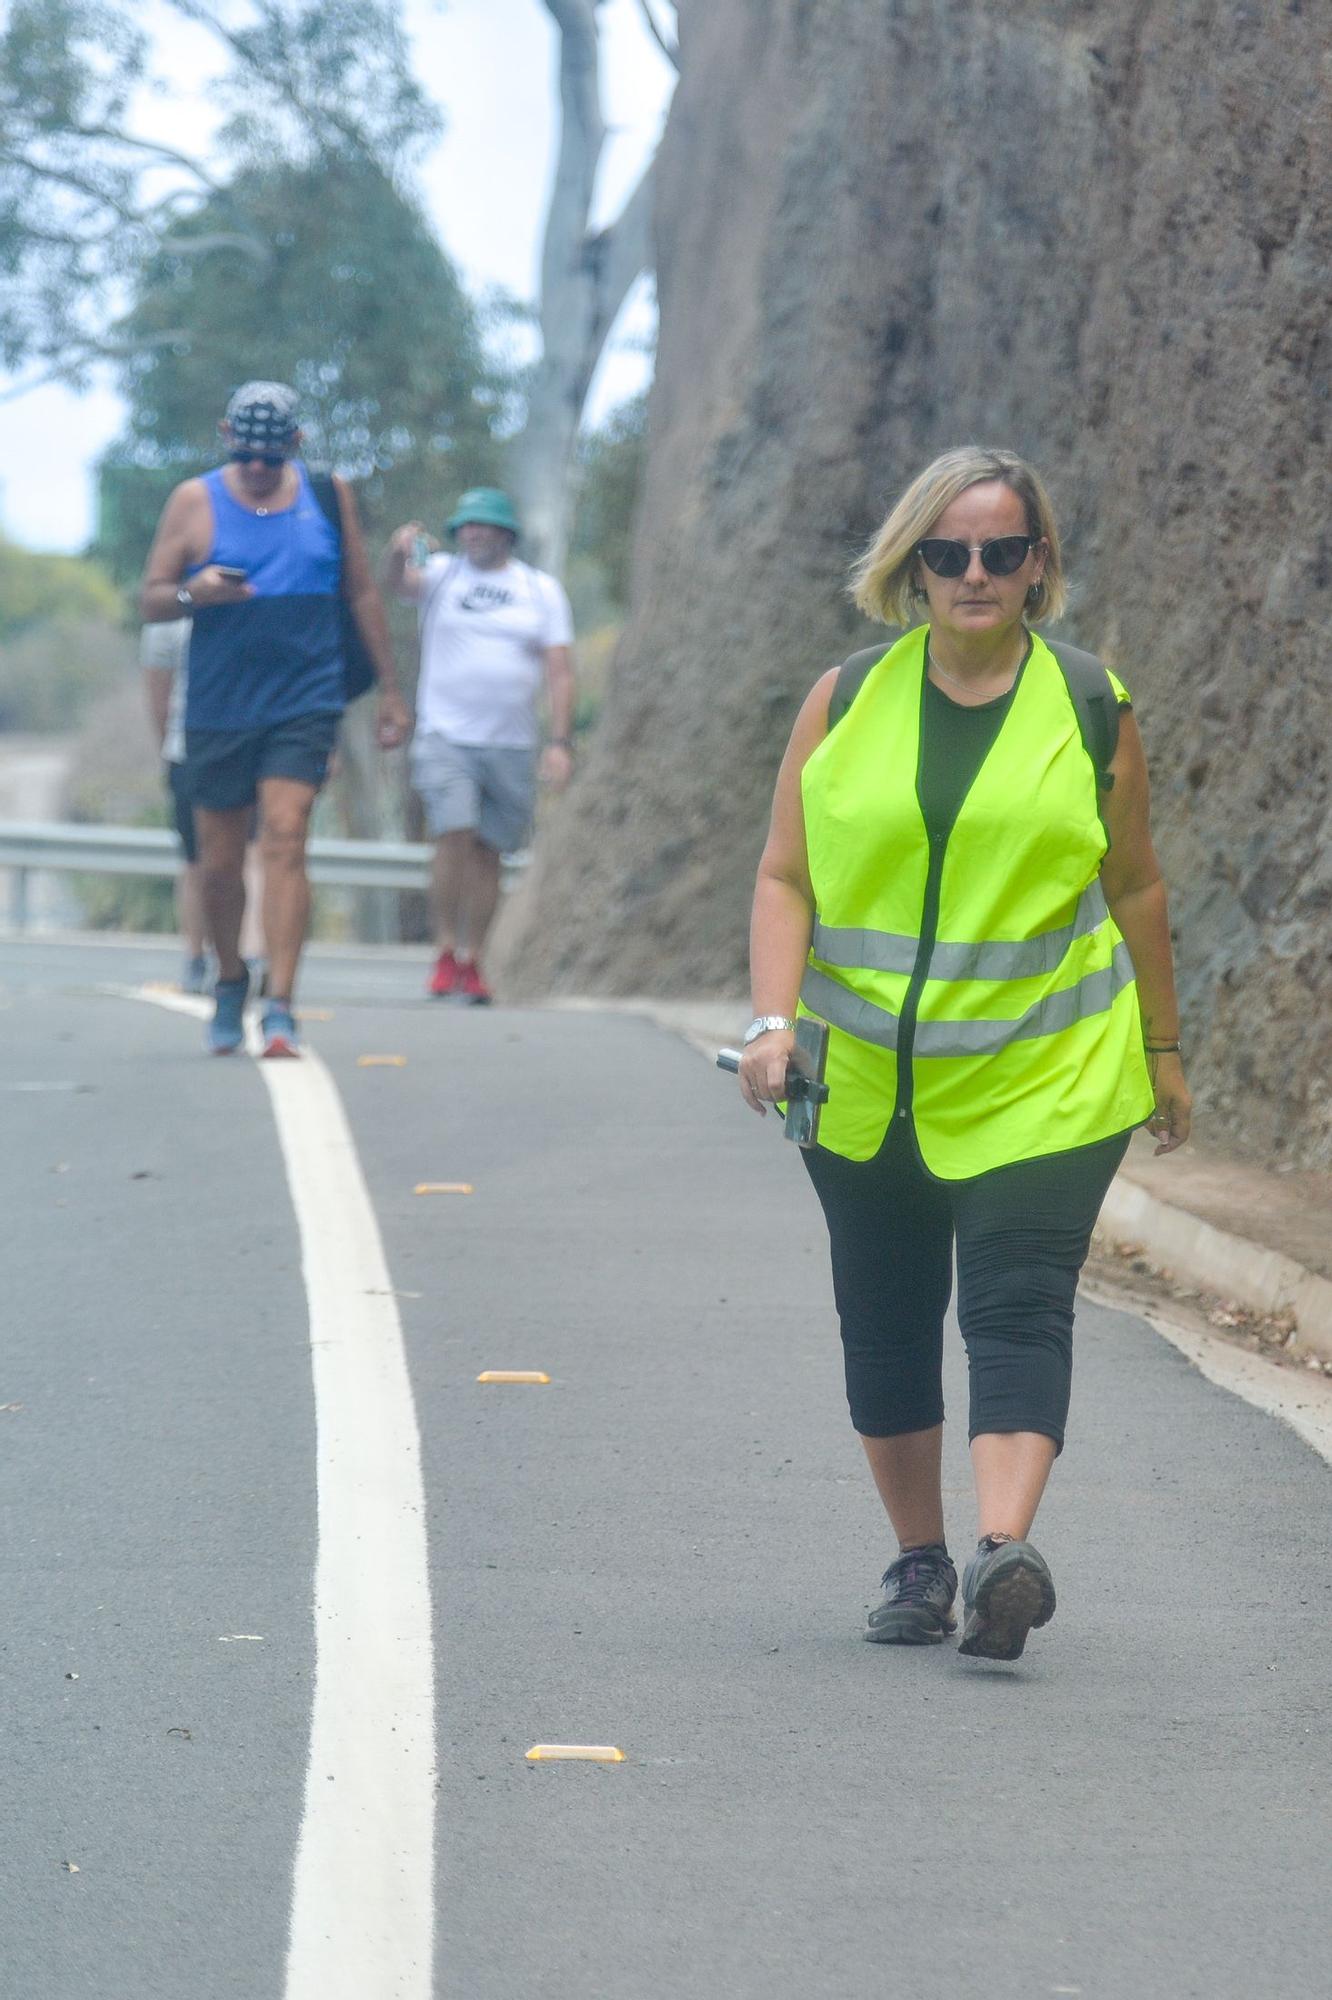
(763, 1069)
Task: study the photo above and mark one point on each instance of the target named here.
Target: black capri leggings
(1022, 1235)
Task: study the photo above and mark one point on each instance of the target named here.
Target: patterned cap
(263, 415)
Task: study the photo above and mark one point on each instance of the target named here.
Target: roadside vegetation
(302, 252)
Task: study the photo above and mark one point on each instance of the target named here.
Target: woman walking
(983, 926)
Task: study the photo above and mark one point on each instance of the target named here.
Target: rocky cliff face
(1099, 231)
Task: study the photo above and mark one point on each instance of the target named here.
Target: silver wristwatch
(764, 1024)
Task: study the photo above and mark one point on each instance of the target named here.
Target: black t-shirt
(954, 743)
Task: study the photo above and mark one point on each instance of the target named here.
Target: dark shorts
(1020, 1235)
(182, 808)
(224, 768)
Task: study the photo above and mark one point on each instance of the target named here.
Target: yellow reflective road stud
(570, 1753)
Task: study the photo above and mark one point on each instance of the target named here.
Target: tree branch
(118, 138)
(623, 252)
(65, 178)
(582, 136)
(93, 350)
(258, 252)
(671, 50)
(241, 47)
(65, 240)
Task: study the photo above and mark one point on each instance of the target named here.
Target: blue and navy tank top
(278, 655)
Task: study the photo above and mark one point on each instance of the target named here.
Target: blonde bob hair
(884, 582)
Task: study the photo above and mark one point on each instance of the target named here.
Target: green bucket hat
(487, 505)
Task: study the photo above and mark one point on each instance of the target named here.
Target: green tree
(62, 637)
(356, 306)
(36, 589)
(85, 203)
(610, 472)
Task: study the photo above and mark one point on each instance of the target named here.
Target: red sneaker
(444, 976)
(472, 986)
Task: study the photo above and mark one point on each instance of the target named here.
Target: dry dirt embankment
(1101, 233)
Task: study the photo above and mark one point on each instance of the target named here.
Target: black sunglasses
(272, 459)
(1000, 557)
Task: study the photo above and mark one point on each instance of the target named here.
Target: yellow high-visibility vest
(977, 985)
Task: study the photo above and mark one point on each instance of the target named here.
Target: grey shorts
(486, 789)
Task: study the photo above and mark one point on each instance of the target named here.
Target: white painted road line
(362, 1918)
(1299, 1398)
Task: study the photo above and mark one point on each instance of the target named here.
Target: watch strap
(765, 1024)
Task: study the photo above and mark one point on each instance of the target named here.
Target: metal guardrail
(33, 847)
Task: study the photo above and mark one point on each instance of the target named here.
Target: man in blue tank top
(251, 556)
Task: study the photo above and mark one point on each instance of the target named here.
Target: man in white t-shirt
(492, 630)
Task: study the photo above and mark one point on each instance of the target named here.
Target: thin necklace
(968, 687)
(263, 512)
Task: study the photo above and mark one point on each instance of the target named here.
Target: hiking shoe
(1007, 1589)
(443, 978)
(226, 1030)
(918, 1607)
(472, 987)
(194, 974)
(279, 1030)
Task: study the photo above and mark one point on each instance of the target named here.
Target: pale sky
(491, 65)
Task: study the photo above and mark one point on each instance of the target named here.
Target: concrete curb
(1265, 1280)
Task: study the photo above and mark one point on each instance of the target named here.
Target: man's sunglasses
(1001, 557)
(272, 459)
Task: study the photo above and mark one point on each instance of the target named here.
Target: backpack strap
(1096, 705)
(359, 672)
(326, 493)
(1094, 700)
(850, 677)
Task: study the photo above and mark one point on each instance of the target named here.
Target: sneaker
(279, 1030)
(1006, 1591)
(443, 976)
(194, 974)
(918, 1607)
(472, 987)
(226, 1030)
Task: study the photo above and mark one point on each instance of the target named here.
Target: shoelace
(911, 1576)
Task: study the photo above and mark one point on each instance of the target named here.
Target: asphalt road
(669, 1549)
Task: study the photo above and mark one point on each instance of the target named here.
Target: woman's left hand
(1170, 1121)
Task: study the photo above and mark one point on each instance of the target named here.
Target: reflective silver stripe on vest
(1020, 958)
(1093, 994)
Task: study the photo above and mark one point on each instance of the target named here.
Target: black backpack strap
(1095, 702)
(359, 673)
(1096, 705)
(850, 676)
(326, 493)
